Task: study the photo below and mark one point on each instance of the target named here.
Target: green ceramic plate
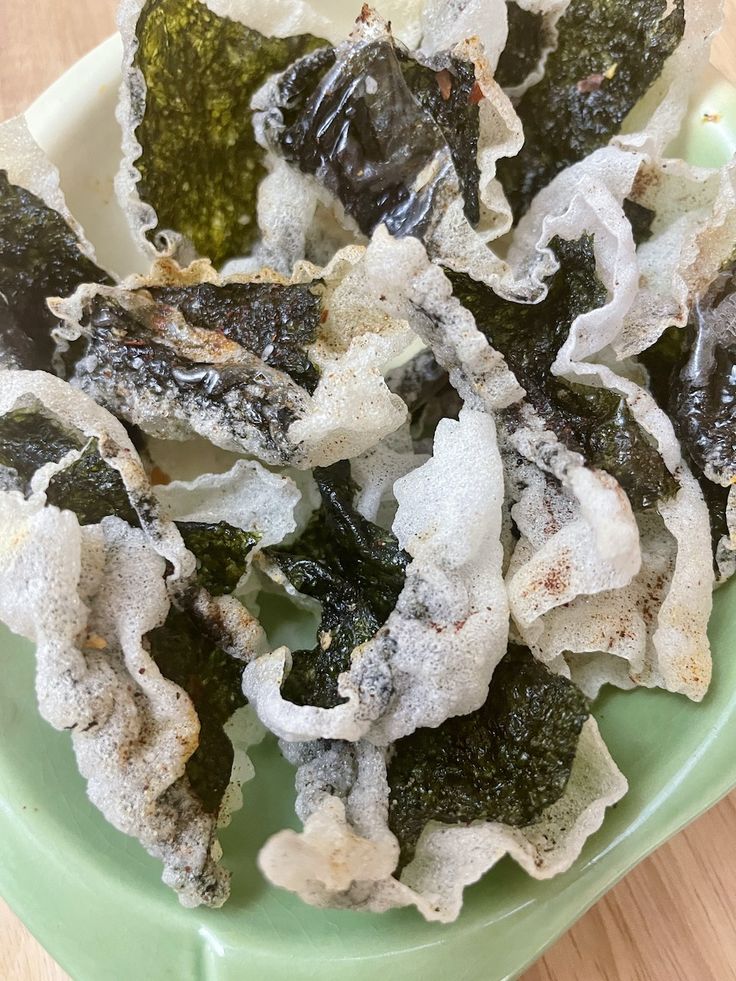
(94, 899)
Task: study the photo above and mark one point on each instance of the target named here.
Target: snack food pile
(436, 352)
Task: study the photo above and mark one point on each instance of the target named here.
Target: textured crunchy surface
(437, 650)
(607, 55)
(505, 762)
(86, 597)
(355, 570)
(177, 370)
(190, 80)
(404, 118)
(419, 153)
(278, 322)
(346, 854)
(144, 686)
(591, 421)
(627, 368)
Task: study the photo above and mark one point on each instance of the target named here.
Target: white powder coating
(436, 653)
(88, 596)
(345, 855)
(247, 496)
(578, 541)
(680, 659)
(351, 408)
(449, 521)
(133, 731)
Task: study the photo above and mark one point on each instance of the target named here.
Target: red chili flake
(444, 80)
(324, 315)
(159, 478)
(476, 94)
(590, 84)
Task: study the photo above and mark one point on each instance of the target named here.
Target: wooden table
(674, 917)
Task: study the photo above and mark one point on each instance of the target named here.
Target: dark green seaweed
(40, 257)
(200, 163)
(506, 762)
(275, 322)
(186, 655)
(355, 570)
(609, 53)
(368, 124)
(142, 355)
(704, 402)
(183, 647)
(524, 45)
(221, 551)
(593, 421)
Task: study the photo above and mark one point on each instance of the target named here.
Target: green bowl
(93, 897)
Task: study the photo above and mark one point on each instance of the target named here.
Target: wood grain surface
(674, 917)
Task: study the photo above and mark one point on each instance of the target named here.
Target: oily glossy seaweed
(40, 257)
(142, 355)
(368, 125)
(704, 402)
(355, 570)
(276, 322)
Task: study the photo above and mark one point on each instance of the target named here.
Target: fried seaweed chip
(447, 621)
(344, 802)
(43, 252)
(579, 535)
(416, 151)
(592, 421)
(506, 762)
(192, 165)
(356, 571)
(186, 648)
(140, 646)
(608, 54)
(601, 551)
(690, 230)
(402, 116)
(703, 404)
(289, 371)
